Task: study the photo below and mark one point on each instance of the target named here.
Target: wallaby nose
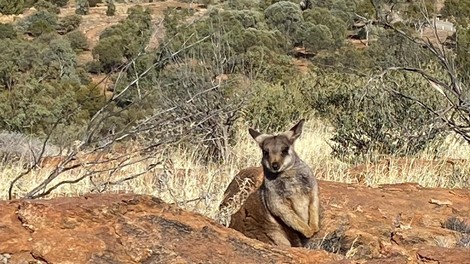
(275, 166)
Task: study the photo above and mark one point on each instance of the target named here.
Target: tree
(60, 60)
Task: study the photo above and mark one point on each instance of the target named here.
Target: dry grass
(187, 183)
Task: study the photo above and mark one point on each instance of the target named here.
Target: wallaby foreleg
(314, 213)
(290, 218)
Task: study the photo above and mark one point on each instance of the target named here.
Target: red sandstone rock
(126, 228)
(390, 224)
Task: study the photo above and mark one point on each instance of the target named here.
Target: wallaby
(284, 210)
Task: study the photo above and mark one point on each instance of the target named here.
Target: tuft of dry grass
(183, 180)
(460, 226)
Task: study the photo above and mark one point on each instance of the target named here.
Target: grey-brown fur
(285, 209)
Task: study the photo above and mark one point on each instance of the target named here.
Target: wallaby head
(278, 150)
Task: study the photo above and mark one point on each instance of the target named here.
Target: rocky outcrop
(126, 228)
(402, 223)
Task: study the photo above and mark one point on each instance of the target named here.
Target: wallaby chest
(289, 184)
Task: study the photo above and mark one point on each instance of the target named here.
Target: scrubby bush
(40, 23)
(243, 4)
(314, 37)
(376, 121)
(94, 67)
(336, 26)
(78, 40)
(284, 16)
(125, 40)
(365, 8)
(274, 106)
(69, 23)
(46, 5)
(61, 60)
(14, 66)
(83, 7)
(109, 52)
(60, 3)
(12, 7)
(110, 8)
(94, 3)
(457, 10)
(212, 111)
(7, 31)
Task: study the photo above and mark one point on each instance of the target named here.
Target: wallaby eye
(285, 151)
(265, 153)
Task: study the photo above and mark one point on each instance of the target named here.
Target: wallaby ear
(253, 133)
(295, 132)
(257, 136)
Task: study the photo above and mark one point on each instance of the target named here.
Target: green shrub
(83, 76)
(243, 4)
(457, 10)
(336, 26)
(69, 23)
(377, 121)
(7, 31)
(284, 16)
(94, 67)
(265, 64)
(314, 37)
(60, 60)
(365, 8)
(60, 3)
(30, 109)
(78, 40)
(12, 7)
(83, 7)
(94, 3)
(328, 93)
(110, 8)
(39, 23)
(274, 106)
(46, 5)
(109, 52)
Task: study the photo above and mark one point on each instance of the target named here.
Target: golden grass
(186, 182)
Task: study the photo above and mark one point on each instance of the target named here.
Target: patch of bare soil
(96, 21)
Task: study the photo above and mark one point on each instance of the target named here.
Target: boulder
(127, 228)
(399, 223)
